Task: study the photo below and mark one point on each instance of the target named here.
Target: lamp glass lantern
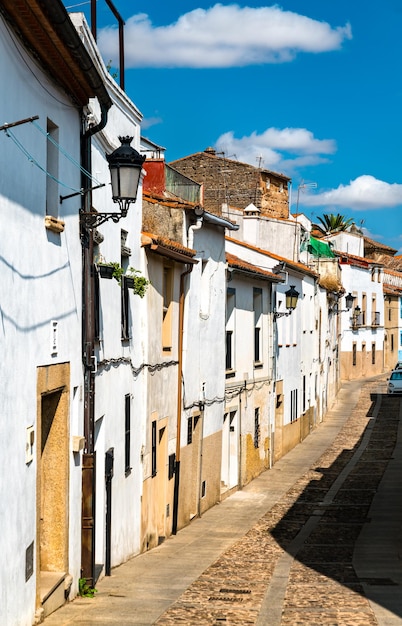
(292, 297)
(349, 301)
(125, 165)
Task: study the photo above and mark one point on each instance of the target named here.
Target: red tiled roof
(377, 245)
(242, 265)
(173, 203)
(150, 238)
(391, 290)
(293, 264)
(352, 259)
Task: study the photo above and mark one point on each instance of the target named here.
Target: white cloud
(282, 150)
(222, 36)
(363, 193)
(147, 122)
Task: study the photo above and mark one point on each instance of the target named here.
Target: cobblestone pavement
(295, 566)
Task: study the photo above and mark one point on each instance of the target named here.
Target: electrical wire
(65, 153)
(80, 4)
(106, 364)
(32, 159)
(230, 394)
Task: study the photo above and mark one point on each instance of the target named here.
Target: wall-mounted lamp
(292, 297)
(355, 316)
(349, 299)
(125, 165)
(348, 302)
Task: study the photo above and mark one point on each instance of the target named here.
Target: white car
(395, 382)
(398, 366)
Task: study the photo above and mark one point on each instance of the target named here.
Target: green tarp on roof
(319, 248)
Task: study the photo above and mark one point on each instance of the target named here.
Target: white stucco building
(41, 305)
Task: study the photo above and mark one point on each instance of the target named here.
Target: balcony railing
(376, 318)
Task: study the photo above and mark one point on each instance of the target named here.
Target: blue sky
(310, 89)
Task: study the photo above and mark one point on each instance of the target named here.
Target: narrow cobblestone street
(302, 550)
(302, 562)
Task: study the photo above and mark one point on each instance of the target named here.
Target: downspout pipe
(192, 229)
(88, 349)
(88, 287)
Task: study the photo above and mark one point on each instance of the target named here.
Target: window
(363, 314)
(354, 354)
(230, 327)
(125, 301)
(256, 428)
(153, 449)
(205, 294)
(52, 169)
(304, 394)
(189, 431)
(293, 405)
(392, 342)
(97, 305)
(167, 293)
(172, 466)
(373, 353)
(376, 318)
(257, 306)
(127, 433)
(280, 187)
(229, 349)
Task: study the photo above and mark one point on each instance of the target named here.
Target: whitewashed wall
(251, 385)
(41, 282)
(203, 345)
(358, 280)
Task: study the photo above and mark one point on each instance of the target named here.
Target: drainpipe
(88, 343)
(192, 229)
(202, 415)
(240, 454)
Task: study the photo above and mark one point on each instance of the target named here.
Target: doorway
(230, 452)
(52, 477)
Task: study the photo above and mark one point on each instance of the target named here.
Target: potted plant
(136, 281)
(105, 269)
(110, 270)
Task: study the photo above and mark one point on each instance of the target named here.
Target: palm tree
(335, 223)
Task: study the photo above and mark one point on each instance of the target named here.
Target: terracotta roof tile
(150, 238)
(352, 259)
(371, 243)
(240, 264)
(293, 264)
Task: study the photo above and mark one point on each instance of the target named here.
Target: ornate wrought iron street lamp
(125, 165)
(292, 297)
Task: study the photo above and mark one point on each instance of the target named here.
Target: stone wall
(162, 220)
(236, 184)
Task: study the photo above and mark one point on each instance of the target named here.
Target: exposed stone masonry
(236, 184)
